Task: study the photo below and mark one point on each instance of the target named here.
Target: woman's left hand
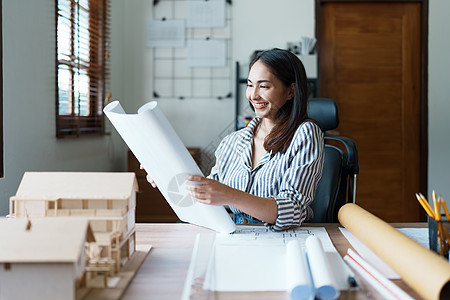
(210, 191)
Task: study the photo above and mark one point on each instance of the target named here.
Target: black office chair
(338, 183)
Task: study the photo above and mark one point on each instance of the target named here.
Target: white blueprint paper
(160, 151)
(254, 258)
(299, 281)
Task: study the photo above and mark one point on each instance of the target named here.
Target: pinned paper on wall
(206, 71)
(166, 33)
(201, 13)
(206, 53)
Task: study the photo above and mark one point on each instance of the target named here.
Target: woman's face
(266, 92)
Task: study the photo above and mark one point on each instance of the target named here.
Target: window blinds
(82, 66)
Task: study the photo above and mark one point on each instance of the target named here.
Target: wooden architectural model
(107, 200)
(42, 258)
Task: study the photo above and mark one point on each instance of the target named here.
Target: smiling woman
(269, 171)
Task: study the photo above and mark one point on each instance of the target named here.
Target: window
(82, 34)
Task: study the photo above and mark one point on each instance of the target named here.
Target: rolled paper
(157, 147)
(299, 282)
(383, 285)
(322, 275)
(424, 271)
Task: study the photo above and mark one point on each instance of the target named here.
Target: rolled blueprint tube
(299, 283)
(424, 271)
(160, 151)
(321, 271)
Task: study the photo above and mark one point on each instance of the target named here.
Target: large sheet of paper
(369, 256)
(157, 147)
(269, 261)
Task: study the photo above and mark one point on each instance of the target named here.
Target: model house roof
(76, 185)
(43, 240)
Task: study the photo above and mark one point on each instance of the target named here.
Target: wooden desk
(163, 273)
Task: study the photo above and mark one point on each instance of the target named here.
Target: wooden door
(370, 64)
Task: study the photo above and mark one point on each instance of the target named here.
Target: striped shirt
(291, 178)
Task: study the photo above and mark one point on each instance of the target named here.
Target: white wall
(439, 99)
(29, 66)
(265, 24)
(29, 103)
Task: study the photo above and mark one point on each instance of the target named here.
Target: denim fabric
(241, 218)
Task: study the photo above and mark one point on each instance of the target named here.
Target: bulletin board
(176, 74)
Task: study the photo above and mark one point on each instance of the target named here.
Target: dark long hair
(288, 68)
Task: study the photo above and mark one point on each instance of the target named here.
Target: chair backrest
(328, 190)
(337, 185)
(325, 112)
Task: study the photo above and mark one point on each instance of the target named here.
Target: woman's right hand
(149, 179)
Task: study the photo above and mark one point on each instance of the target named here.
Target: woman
(268, 171)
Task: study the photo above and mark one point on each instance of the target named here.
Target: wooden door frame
(423, 75)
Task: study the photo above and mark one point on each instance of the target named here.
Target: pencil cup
(439, 236)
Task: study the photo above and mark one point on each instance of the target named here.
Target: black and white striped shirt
(290, 178)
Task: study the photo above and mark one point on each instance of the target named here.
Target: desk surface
(163, 273)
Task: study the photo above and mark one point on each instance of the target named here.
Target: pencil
(437, 207)
(425, 201)
(425, 206)
(444, 205)
(442, 232)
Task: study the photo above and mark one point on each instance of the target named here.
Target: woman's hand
(149, 179)
(210, 191)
